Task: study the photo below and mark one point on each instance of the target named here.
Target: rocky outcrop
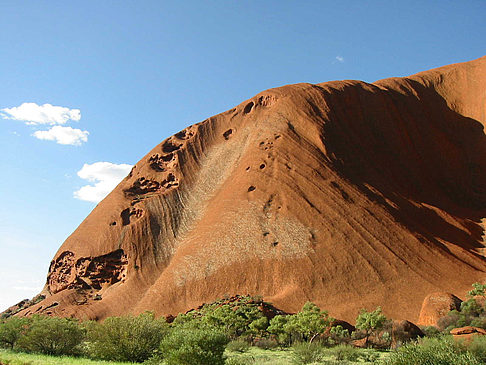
(346, 193)
(437, 305)
(86, 272)
(467, 333)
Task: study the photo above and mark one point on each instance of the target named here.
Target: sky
(88, 88)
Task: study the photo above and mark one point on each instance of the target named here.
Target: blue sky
(120, 76)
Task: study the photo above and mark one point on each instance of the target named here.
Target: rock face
(345, 193)
(437, 305)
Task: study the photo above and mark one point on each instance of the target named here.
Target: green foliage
(238, 346)
(193, 347)
(339, 335)
(433, 351)
(478, 290)
(235, 319)
(11, 330)
(126, 338)
(309, 322)
(370, 322)
(307, 353)
(477, 347)
(430, 331)
(278, 327)
(258, 326)
(343, 352)
(51, 336)
(453, 319)
(471, 307)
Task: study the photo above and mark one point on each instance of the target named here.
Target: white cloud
(33, 114)
(340, 59)
(105, 176)
(63, 135)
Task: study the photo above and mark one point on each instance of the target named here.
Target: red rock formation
(467, 333)
(437, 305)
(345, 193)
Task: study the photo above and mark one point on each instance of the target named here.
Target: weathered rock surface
(437, 305)
(345, 193)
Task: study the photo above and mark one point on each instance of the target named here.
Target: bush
(194, 347)
(436, 351)
(307, 353)
(126, 338)
(11, 330)
(370, 322)
(339, 335)
(430, 331)
(309, 323)
(477, 347)
(51, 336)
(343, 352)
(238, 346)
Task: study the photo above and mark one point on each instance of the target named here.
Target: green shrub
(51, 336)
(430, 331)
(432, 351)
(471, 307)
(339, 335)
(194, 347)
(343, 352)
(477, 347)
(238, 346)
(309, 323)
(370, 322)
(236, 319)
(126, 338)
(369, 355)
(278, 328)
(11, 330)
(306, 353)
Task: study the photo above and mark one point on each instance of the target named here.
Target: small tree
(310, 322)
(478, 290)
(370, 322)
(11, 330)
(259, 326)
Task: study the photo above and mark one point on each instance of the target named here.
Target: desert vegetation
(242, 330)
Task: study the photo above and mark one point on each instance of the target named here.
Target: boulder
(467, 333)
(404, 331)
(437, 305)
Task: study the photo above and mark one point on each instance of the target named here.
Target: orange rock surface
(437, 305)
(346, 193)
(467, 333)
